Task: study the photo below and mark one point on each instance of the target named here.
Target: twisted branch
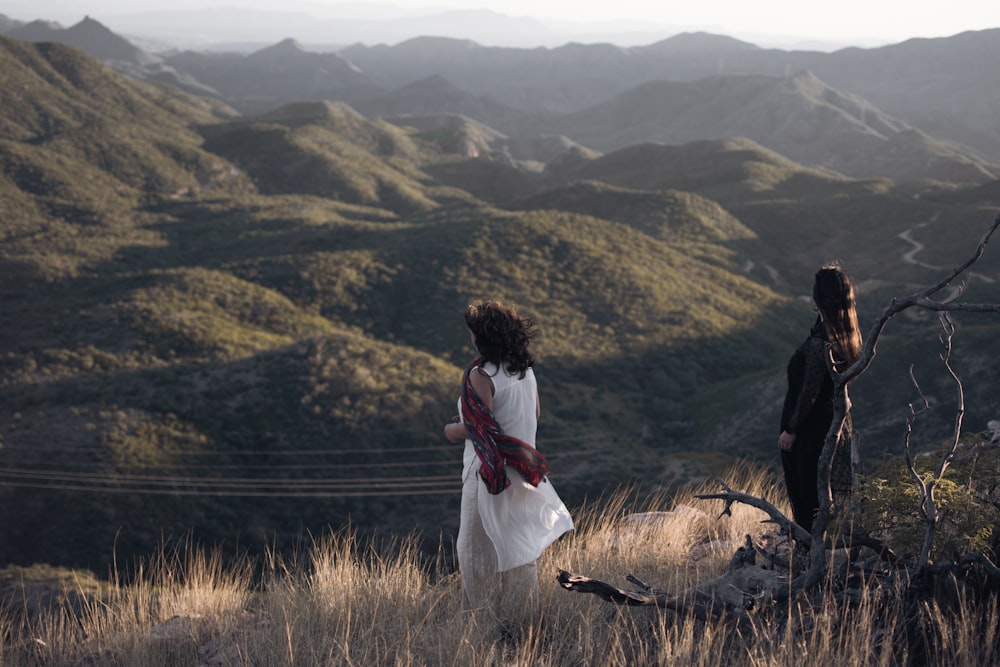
(730, 496)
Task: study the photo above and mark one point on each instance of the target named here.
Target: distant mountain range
(233, 27)
(798, 116)
(946, 87)
(88, 35)
(916, 110)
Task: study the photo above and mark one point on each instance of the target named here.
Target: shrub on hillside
(967, 498)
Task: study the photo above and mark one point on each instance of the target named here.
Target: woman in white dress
(510, 512)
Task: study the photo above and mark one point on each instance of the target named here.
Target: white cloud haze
(858, 22)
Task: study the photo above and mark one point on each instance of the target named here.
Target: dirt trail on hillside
(910, 257)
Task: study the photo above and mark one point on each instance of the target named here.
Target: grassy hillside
(894, 240)
(246, 329)
(672, 216)
(81, 148)
(326, 150)
(722, 170)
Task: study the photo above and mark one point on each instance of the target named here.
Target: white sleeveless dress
(522, 520)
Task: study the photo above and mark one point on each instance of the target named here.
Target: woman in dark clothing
(808, 409)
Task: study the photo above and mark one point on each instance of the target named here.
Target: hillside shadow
(251, 243)
(228, 423)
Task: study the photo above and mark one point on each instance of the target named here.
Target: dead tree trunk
(730, 595)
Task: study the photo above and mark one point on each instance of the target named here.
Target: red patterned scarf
(495, 449)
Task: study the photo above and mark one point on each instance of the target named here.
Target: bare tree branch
(841, 402)
(731, 594)
(976, 450)
(946, 340)
(928, 505)
(730, 496)
(859, 537)
(992, 571)
(925, 487)
(647, 597)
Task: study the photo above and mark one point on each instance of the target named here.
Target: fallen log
(733, 594)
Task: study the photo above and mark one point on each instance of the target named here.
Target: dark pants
(802, 471)
(801, 466)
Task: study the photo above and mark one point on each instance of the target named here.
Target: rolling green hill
(80, 148)
(798, 116)
(670, 216)
(329, 150)
(247, 330)
(735, 168)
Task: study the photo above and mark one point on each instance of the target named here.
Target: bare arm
(456, 431)
(483, 385)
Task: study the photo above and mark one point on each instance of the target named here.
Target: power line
(96, 481)
(226, 482)
(450, 490)
(248, 452)
(60, 466)
(263, 466)
(543, 443)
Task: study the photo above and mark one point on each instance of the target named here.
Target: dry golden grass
(345, 602)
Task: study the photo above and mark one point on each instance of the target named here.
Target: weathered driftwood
(747, 586)
(731, 594)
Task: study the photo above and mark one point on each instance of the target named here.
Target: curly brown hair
(502, 335)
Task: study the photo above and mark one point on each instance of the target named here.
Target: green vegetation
(966, 499)
(734, 168)
(671, 216)
(359, 162)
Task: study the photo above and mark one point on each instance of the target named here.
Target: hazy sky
(845, 21)
(830, 20)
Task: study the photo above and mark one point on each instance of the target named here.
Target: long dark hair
(833, 292)
(502, 335)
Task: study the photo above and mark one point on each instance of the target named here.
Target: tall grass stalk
(343, 600)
